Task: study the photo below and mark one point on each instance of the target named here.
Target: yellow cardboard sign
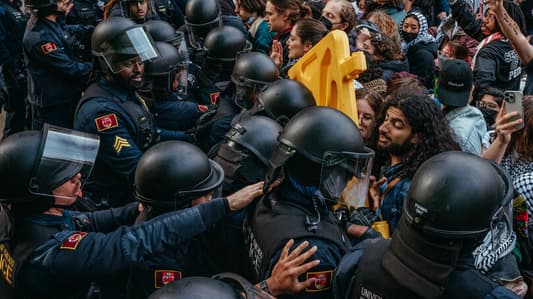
(328, 70)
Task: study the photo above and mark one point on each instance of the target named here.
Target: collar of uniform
(115, 89)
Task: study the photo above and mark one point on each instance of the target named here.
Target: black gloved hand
(363, 216)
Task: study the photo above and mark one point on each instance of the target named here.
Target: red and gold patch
(162, 277)
(106, 122)
(203, 108)
(72, 242)
(214, 97)
(48, 48)
(322, 281)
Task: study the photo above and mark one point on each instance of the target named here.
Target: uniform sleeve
(51, 55)
(346, 270)
(329, 256)
(90, 256)
(106, 221)
(501, 292)
(118, 149)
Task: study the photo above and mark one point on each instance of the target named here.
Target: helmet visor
(132, 43)
(246, 91)
(197, 32)
(64, 154)
(345, 176)
(180, 78)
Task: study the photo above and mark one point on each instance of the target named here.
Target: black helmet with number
(251, 73)
(322, 147)
(246, 150)
(225, 44)
(282, 99)
(457, 195)
(173, 173)
(201, 16)
(220, 286)
(34, 163)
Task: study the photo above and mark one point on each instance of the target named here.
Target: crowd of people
(159, 149)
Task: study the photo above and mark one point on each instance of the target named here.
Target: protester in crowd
(369, 104)
(490, 103)
(387, 56)
(386, 25)
(252, 13)
(340, 15)
(449, 31)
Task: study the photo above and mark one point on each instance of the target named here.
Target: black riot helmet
(246, 150)
(201, 16)
(34, 163)
(252, 72)
(282, 99)
(225, 44)
(322, 147)
(41, 7)
(457, 195)
(173, 173)
(116, 39)
(162, 31)
(220, 286)
(169, 67)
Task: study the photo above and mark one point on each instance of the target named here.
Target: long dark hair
(427, 121)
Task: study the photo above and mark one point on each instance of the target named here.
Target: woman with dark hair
(489, 103)
(304, 35)
(387, 55)
(419, 47)
(281, 16)
(252, 13)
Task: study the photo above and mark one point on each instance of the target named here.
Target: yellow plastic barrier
(328, 70)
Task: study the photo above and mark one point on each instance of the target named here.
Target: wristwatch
(263, 285)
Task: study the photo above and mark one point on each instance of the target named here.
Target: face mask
(489, 115)
(408, 37)
(326, 22)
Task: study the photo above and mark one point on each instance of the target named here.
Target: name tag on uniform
(162, 277)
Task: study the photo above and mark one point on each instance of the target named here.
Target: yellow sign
(328, 70)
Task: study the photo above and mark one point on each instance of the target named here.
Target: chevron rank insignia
(120, 143)
(162, 277)
(49, 47)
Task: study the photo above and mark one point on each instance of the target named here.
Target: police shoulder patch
(214, 97)
(106, 122)
(322, 282)
(72, 241)
(120, 143)
(162, 277)
(203, 108)
(48, 47)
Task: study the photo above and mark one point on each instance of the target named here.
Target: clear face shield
(180, 78)
(64, 154)
(344, 177)
(246, 91)
(134, 46)
(501, 225)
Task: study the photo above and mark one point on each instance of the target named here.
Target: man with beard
(112, 109)
(411, 131)
(51, 64)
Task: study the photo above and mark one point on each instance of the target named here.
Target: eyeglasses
(489, 105)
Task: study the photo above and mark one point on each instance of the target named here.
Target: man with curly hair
(411, 130)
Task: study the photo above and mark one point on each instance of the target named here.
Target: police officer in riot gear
(12, 25)
(280, 100)
(51, 62)
(44, 173)
(223, 46)
(321, 158)
(80, 22)
(252, 72)
(456, 202)
(244, 156)
(165, 79)
(171, 176)
(113, 109)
